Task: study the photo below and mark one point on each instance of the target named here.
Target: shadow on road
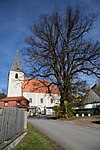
(43, 117)
(96, 122)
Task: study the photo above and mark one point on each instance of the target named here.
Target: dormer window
(16, 76)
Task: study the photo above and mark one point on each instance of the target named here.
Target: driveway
(69, 136)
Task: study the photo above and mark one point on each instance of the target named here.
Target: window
(30, 99)
(41, 100)
(16, 76)
(6, 104)
(51, 100)
(18, 103)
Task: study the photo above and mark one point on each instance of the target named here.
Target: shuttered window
(30, 99)
(41, 100)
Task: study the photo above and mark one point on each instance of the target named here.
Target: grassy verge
(35, 140)
(80, 117)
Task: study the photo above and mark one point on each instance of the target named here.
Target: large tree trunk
(64, 97)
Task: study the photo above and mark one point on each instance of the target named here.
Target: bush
(70, 111)
(59, 111)
(65, 111)
(95, 111)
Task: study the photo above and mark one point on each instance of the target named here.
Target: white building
(34, 90)
(91, 100)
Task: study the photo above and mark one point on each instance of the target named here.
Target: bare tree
(59, 50)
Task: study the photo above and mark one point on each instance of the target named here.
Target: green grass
(35, 140)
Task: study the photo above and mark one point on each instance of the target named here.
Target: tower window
(16, 75)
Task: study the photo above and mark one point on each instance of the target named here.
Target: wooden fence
(12, 123)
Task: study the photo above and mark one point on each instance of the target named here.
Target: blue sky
(16, 16)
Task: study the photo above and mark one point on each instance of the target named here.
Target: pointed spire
(16, 66)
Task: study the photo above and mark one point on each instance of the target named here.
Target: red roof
(15, 98)
(39, 86)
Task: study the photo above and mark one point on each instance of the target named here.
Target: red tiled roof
(15, 98)
(38, 86)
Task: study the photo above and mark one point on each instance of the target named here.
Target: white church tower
(15, 78)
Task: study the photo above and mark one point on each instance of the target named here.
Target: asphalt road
(69, 136)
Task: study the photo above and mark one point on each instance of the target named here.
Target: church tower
(15, 78)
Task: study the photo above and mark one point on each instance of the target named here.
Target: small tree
(59, 50)
(3, 93)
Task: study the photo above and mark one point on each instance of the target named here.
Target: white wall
(15, 85)
(94, 105)
(46, 99)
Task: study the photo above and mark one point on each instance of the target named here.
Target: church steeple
(16, 66)
(15, 78)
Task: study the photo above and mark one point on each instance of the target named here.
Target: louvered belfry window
(16, 76)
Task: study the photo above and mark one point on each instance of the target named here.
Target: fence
(12, 123)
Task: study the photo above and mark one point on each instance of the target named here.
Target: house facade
(91, 99)
(38, 95)
(32, 89)
(18, 101)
